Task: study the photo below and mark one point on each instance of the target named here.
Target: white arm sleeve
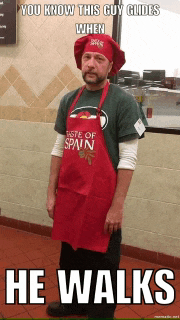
(128, 154)
(58, 146)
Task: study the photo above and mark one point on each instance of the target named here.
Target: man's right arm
(57, 153)
(53, 184)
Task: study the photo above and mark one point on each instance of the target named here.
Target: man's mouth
(90, 73)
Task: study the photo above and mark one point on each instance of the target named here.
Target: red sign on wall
(8, 21)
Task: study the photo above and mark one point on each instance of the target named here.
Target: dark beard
(98, 80)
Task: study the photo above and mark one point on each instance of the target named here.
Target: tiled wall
(24, 169)
(40, 69)
(152, 217)
(34, 75)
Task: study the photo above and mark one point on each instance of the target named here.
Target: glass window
(151, 41)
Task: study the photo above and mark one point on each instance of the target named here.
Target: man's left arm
(115, 214)
(127, 163)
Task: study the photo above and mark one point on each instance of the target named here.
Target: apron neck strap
(77, 98)
(103, 97)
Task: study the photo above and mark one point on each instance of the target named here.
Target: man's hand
(50, 205)
(114, 219)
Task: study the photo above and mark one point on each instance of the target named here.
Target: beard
(96, 80)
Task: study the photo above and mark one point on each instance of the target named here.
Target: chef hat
(101, 43)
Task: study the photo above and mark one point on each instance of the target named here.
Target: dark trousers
(83, 259)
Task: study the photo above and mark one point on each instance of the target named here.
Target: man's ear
(110, 66)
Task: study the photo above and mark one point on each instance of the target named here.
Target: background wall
(35, 74)
(152, 215)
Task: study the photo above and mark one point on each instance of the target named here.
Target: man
(92, 165)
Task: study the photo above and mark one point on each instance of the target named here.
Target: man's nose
(91, 63)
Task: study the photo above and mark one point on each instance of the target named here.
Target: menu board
(8, 21)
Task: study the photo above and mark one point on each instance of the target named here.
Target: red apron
(86, 185)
